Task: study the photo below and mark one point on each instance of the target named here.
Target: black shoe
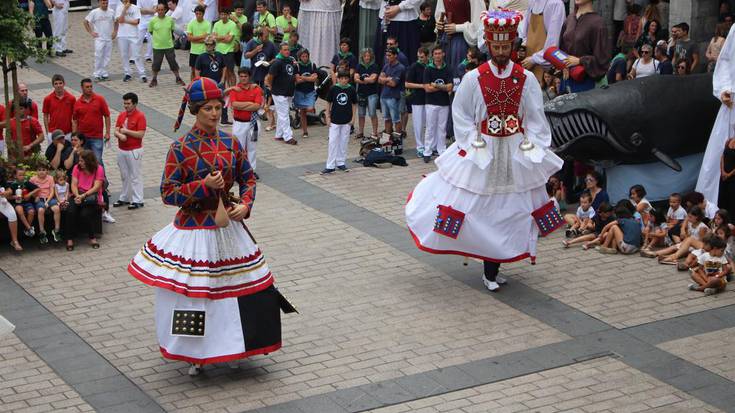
(435, 153)
(131, 61)
(68, 51)
(127, 78)
(257, 178)
(135, 205)
(120, 203)
(148, 60)
(60, 54)
(427, 159)
(343, 168)
(326, 171)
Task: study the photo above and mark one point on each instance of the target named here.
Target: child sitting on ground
(722, 217)
(691, 235)
(624, 233)
(559, 192)
(601, 219)
(62, 189)
(581, 223)
(46, 199)
(692, 260)
(667, 233)
(710, 275)
(637, 194)
(25, 193)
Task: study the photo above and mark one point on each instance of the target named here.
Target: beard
(501, 60)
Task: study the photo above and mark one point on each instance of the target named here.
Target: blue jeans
(389, 106)
(96, 146)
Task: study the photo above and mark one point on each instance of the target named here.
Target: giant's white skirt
(203, 263)
(708, 182)
(497, 227)
(319, 33)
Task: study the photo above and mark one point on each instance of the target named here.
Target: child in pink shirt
(46, 199)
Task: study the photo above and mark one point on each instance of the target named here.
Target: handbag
(90, 200)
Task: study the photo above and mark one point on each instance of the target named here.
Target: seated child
(695, 198)
(601, 219)
(691, 235)
(668, 232)
(581, 222)
(712, 269)
(722, 217)
(559, 192)
(25, 193)
(550, 193)
(637, 194)
(62, 189)
(46, 199)
(692, 260)
(624, 233)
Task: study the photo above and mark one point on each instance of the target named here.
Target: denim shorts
(304, 100)
(371, 108)
(27, 206)
(402, 104)
(42, 203)
(389, 106)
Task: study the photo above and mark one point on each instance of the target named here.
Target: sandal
(269, 128)
(70, 247)
(16, 246)
(95, 245)
(565, 243)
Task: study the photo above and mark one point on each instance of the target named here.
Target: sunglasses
(589, 179)
(645, 52)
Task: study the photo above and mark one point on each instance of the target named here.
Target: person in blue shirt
(624, 233)
(392, 78)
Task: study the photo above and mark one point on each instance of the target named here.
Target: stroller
(323, 84)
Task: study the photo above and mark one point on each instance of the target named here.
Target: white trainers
(195, 369)
(501, 280)
(106, 217)
(492, 286)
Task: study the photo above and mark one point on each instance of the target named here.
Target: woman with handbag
(86, 206)
(215, 299)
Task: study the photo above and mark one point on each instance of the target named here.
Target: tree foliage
(17, 45)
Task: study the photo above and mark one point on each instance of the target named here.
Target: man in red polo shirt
(129, 131)
(31, 134)
(246, 98)
(89, 112)
(58, 108)
(23, 92)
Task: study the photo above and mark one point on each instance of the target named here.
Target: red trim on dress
(221, 359)
(467, 254)
(201, 263)
(206, 292)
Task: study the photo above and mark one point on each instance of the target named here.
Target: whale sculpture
(656, 118)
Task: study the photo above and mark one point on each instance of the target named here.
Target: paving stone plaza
(383, 327)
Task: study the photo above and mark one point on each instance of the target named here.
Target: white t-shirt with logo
(102, 22)
(125, 29)
(680, 214)
(588, 214)
(710, 264)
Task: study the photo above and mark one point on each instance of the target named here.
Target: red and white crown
(501, 25)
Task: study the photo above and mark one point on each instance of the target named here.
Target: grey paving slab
(685, 326)
(78, 364)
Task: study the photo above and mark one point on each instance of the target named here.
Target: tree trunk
(7, 99)
(17, 144)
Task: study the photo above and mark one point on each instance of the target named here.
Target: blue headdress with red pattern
(200, 89)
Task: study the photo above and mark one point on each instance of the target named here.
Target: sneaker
(105, 78)
(68, 51)
(127, 78)
(131, 61)
(120, 203)
(304, 135)
(419, 152)
(501, 280)
(195, 369)
(693, 287)
(135, 205)
(710, 291)
(55, 235)
(606, 250)
(27, 233)
(106, 217)
(31, 232)
(427, 159)
(60, 54)
(569, 233)
(43, 239)
(327, 171)
(143, 79)
(492, 286)
(97, 79)
(343, 168)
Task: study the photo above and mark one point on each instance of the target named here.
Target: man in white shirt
(176, 12)
(147, 11)
(128, 40)
(60, 25)
(101, 25)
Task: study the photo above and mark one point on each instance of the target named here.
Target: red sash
(502, 99)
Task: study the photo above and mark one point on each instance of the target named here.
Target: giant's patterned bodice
(189, 160)
(502, 97)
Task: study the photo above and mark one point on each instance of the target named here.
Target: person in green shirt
(197, 31)
(162, 29)
(285, 23)
(226, 33)
(265, 19)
